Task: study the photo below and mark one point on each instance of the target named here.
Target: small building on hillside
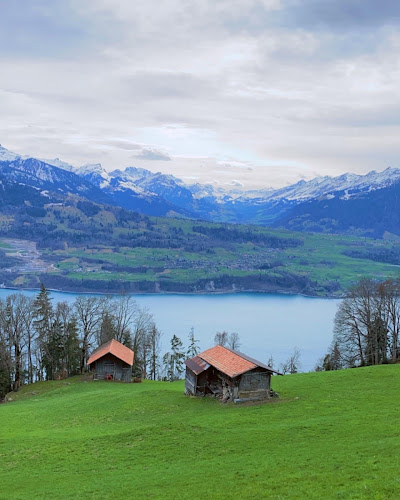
(111, 361)
(230, 375)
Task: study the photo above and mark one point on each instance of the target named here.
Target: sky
(246, 93)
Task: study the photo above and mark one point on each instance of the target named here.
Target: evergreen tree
(174, 361)
(154, 336)
(193, 348)
(178, 355)
(169, 366)
(43, 314)
(333, 360)
(107, 329)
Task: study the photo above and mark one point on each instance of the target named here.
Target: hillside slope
(350, 203)
(80, 245)
(373, 213)
(331, 435)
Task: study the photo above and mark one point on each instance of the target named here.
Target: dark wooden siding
(190, 382)
(254, 385)
(111, 365)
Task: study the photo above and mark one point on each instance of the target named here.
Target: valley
(248, 259)
(88, 230)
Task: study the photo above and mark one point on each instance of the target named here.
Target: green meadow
(329, 435)
(117, 251)
(321, 258)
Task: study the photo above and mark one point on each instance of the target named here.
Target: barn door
(109, 368)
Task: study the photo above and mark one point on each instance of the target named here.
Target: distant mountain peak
(6, 155)
(90, 167)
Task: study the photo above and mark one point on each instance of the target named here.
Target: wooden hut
(112, 361)
(231, 375)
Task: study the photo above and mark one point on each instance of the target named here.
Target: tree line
(367, 326)
(42, 341)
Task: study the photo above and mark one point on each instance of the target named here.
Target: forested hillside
(60, 232)
(71, 243)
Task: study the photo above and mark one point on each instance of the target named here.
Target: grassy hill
(331, 435)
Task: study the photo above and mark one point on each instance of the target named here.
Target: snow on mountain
(56, 162)
(320, 186)
(134, 173)
(157, 193)
(6, 155)
(94, 173)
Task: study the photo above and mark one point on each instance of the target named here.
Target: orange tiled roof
(227, 361)
(115, 348)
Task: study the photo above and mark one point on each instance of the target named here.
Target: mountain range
(362, 204)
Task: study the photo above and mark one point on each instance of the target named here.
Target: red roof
(232, 363)
(115, 348)
(227, 361)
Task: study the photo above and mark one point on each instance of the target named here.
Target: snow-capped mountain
(159, 194)
(56, 162)
(130, 189)
(6, 155)
(320, 186)
(39, 175)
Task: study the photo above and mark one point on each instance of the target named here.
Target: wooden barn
(230, 375)
(112, 361)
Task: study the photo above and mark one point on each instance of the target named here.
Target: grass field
(321, 258)
(330, 435)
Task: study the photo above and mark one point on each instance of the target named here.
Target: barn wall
(110, 365)
(190, 382)
(254, 385)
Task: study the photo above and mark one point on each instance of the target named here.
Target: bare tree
(89, 313)
(221, 338)
(124, 311)
(234, 341)
(367, 323)
(292, 364)
(5, 353)
(390, 294)
(141, 325)
(15, 326)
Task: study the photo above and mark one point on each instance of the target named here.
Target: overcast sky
(237, 92)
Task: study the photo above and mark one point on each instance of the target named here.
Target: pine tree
(107, 328)
(193, 348)
(178, 356)
(154, 336)
(174, 360)
(43, 314)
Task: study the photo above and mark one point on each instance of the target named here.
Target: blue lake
(267, 324)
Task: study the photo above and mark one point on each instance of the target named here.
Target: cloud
(47, 28)
(341, 15)
(259, 91)
(152, 154)
(236, 183)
